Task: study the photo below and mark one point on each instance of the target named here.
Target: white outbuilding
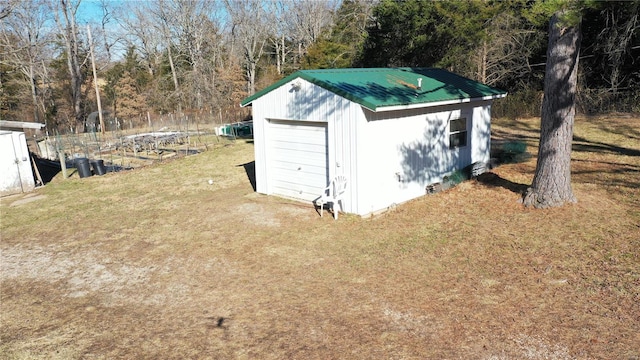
(16, 174)
(391, 131)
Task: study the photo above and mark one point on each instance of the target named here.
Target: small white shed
(391, 131)
(16, 174)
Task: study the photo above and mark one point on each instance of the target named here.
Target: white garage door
(298, 159)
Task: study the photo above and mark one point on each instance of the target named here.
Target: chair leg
(335, 210)
(321, 206)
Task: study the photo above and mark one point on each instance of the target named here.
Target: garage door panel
(301, 157)
(300, 148)
(297, 192)
(298, 165)
(297, 140)
(297, 126)
(303, 149)
(282, 171)
(308, 175)
(311, 178)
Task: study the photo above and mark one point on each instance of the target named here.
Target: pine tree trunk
(552, 180)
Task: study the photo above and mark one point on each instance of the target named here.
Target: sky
(91, 10)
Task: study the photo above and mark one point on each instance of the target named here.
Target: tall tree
(405, 33)
(108, 42)
(141, 34)
(611, 43)
(510, 42)
(68, 27)
(126, 81)
(23, 41)
(251, 32)
(340, 43)
(310, 19)
(165, 13)
(615, 40)
(197, 32)
(551, 185)
(281, 38)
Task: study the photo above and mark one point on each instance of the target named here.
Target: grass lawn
(156, 263)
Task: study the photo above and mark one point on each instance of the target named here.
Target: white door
(10, 182)
(298, 159)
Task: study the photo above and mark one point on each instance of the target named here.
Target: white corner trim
(437, 103)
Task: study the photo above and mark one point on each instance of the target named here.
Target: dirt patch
(26, 200)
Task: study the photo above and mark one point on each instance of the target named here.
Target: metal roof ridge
(314, 76)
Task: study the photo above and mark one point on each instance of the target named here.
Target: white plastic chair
(333, 194)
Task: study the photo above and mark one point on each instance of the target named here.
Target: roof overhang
(20, 125)
(435, 103)
(374, 106)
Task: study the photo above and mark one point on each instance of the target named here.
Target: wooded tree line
(202, 56)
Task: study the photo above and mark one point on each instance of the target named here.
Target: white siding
(407, 150)
(15, 164)
(388, 157)
(481, 133)
(309, 103)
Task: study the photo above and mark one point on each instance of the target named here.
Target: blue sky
(91, 10)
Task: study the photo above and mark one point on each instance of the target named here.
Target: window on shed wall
(457, 133)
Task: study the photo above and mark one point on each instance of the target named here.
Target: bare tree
(141, 34)
(197, 31)
(251, 32)
(186, 37)
(506, 50)
(7, 7)
(282, 31)
(68, 27)
(24, 37)
(309, 19)
(165, 14)
(614, 40)
(105, 36)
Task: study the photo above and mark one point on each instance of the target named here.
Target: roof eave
(249, 99)
(21, 124)
(436, 103)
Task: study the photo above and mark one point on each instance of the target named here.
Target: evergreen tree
(339, 45)
(552, 180)
(131, 103)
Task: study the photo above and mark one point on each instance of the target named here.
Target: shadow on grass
(250, 169)
(584, 145)
(491, 179)
(606, 173)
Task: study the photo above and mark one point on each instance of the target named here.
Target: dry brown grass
(156, 263)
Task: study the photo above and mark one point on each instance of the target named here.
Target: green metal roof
(377, 88)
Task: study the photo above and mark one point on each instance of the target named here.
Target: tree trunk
(95, 80)
(552, 180)
(482, 63)
(73, 62)
(174, 76)
(34, 93)
(251, 77)
(284, 54)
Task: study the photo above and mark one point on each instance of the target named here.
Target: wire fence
(126, 145)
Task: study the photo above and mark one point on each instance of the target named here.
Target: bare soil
(156, 263)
